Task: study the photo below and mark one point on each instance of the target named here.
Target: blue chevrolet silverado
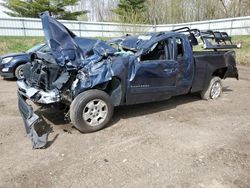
(123, 71)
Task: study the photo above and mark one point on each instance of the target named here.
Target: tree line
(131, 11)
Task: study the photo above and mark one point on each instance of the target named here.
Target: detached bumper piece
(30, 120)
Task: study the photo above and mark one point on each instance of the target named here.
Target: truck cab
(165, 68)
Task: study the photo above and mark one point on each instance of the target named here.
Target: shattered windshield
(132, 43)
(103, 49)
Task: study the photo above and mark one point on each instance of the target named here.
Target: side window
(156, 52)
(180, 48)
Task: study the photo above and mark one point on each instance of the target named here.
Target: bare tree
(224, 6)
(171, 11)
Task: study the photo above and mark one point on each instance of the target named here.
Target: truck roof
(142, 41)
(211, 39)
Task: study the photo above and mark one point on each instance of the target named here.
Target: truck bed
(207, 63)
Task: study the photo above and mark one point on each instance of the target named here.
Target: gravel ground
(182, 142)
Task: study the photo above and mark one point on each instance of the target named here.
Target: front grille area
(41, 75)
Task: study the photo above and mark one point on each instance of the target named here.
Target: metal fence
(233, 26)
(33, 27)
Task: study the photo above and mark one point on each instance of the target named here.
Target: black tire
(208, 93)
(79, 107)
(19, 71)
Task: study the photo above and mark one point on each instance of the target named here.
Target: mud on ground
(182, 142)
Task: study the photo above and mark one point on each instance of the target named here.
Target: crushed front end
(55, 78)
(44, 83)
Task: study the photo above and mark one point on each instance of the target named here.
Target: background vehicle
(11, 65)
(144, 68)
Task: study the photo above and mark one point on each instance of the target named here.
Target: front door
(155, 74)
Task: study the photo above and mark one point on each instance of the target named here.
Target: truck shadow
(44, 127)
(125, 112)
(56, 117)
(10, 79)
(227, 89)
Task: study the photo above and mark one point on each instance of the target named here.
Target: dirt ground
(182, 142)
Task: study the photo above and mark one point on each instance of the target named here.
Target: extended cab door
(155, 74)
(184, 57)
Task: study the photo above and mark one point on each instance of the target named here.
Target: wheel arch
(220, 72)
(114, 89)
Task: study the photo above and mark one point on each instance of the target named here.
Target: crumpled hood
(64, 48)
(60, 40)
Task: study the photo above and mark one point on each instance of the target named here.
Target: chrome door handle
(168, 70)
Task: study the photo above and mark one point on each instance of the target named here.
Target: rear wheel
(19, 72)
(214, 89)
(91, 111)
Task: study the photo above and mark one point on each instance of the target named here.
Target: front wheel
(214, 89)
(91, 111)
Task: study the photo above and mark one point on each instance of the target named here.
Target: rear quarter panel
(206, 63)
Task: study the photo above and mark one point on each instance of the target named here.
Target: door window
(180, 48)
(163, 50)
(156, 52)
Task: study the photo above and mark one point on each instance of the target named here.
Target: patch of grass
(243, 54)
(9, 44)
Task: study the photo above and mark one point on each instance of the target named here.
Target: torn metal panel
(93, 74)
(60, 39)
(26, 90)
(65, 49)
(30, 119)
(94, 63)
(36, 95)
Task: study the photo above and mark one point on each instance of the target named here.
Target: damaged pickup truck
(129, 70)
